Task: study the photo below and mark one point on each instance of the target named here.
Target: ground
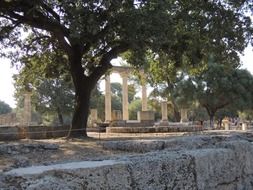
(24, 153)
(205, 160)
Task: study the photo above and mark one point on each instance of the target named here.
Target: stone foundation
(158, 129)
(148, 116)
(8, 119)
(32, 132)
(211, 164)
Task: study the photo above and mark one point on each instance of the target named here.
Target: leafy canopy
(4, 108)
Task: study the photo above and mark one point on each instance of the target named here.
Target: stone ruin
(8, 119)
(11, 119)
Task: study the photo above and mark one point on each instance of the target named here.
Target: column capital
(124, 74)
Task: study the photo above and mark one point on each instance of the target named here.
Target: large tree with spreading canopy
(90, 33)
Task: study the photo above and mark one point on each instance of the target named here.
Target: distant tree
(51, 86)
(92, 33)
(54, 96)
(198, 113)
(97, 101)
(221, 86)
(4, 108)
(133, 108)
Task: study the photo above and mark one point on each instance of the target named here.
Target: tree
(134, 107)
(221, 86)
(51, 87)
(4, 108)
(97, 101)
(91, 33)
(54, 96)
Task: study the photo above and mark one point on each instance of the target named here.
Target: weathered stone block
(146, 116)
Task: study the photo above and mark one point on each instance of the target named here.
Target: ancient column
(244, 126)
(164, 111)
(108, 103)
(226, 123)
(124, 96)
(27, 114)
(144, 102)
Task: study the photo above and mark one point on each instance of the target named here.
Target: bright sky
(7, 88)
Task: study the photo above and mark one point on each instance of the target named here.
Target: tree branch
(26, 12)
(105, 64)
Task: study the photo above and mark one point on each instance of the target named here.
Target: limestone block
(133, 146)
(146, 116)
(9, 133)
(215, 163)
(116, 115)
(244, 126)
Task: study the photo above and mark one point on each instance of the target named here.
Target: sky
(7, 88)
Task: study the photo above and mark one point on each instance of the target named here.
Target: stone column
(244, 126)
(164, 111)
(124, 96)
(226, 124)
(116, 115)
(27, 114)
(144, 101)
(108, 103)
(184, 117)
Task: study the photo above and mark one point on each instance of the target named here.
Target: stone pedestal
(244, 126)
(146, 116)
(116, 115)
(226, 123)
(184, 116)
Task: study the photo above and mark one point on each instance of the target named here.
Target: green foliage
(220, 86)
(4, 108)
(52, 90)
(89, 34)
(246, 115)
(198, 113)
(223, 90)
(97, 101)
(54, 96)
(133, 108)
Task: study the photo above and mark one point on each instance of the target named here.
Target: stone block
(146, 116)
(9, 133)
(116, 115)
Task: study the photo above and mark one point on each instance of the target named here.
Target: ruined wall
(8, 119)
(32, 132)
(227, 165)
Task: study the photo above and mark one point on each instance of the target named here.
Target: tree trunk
(81, 113)
(212, 121)
(83, 87)
(177, 115)
(82, 95)
(220, 122)
(211, 113)
(60, 117)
